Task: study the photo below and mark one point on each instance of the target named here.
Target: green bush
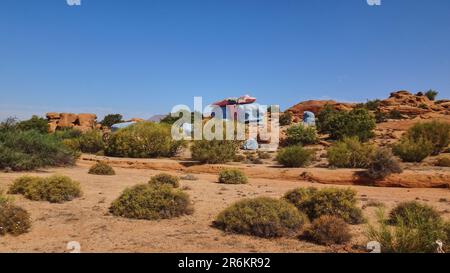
(301, 135)
(329, 230)
(327, 201)
(443, 161)
(262, 217)
(413, 150)
(436, 132)
(111, 119)
(285, 119)
(68, 133)
(294, 156)
(214, 151)
(54, 189)
(151, 202)
(431, 94)
(340, 124)
(404, 238)
(395, 114)
(102, 168)
(165, 179)
(232, 176)
(382, 164)
(35, 123)
(143, 140)
(412, 213)
(14, 220)
(91, 142)
(29, 150)
(350, 153)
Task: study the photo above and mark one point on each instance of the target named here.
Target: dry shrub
(102, 168)
(232, 176)
(294, 156)
(382, 164)
(415, 211)
(214, 151)
(329, 230)
(350, 153)
(165, 179)
(14, 220)
(413, 150)
(262, 217)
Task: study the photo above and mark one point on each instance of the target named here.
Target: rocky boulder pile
(83, 122)
(409, 104)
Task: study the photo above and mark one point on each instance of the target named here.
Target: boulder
(67, 120)
(52, 116)
(87, 120)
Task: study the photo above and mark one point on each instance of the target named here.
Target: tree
(431, 94)
(35, 123)
(111, 119)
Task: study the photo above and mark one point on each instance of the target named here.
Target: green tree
(111, 119)
(431, 94)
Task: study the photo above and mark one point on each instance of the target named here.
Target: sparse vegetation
(232, 176)
(329, 230)
(413, 213)
(165, 179)
(301, 135)
(327, 201)
(431, 94)
(151, 202)
(262, 217)
(382, 164)
(214, 151)
(285, 119)
(350, 153)
(102, 168)
(436, 132)
(294, 156)
(14, 220)
(395, 114)
(54, 189)
(144, 140)
(413, 150)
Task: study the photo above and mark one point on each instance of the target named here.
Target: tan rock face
(83, 122)
(409, 104)
(316, 106)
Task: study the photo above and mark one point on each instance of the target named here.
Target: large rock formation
(409, 104)
(83, 122)
(316, 106)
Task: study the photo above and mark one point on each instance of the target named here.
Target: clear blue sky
(141, 57)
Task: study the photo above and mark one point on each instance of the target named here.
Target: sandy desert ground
(87, 220)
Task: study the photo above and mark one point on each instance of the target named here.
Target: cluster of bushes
(423, 140)
(232, 176)
(54, 189)
(294, 156)
(340, 124)
(301, 135)
(14, 220)
(330, 210)
(165, 179)
(411, 227)
(214, 151)
(152, 201)
(101, 168)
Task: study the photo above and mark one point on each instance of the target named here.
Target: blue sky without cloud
(142, 57)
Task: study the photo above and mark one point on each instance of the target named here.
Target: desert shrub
(262, 217)
(327, 201)
(91, 142)
(165, 179)
(294, 156)
(395, 114)
(413, 150)
(350, 153)
(232, 176)
(29, 150)
(14, 220)
(431, 94)
(443, 161)
(382, 164)
(151, 202)
(102, 168)
(68, 133)
(214, 151)
(73, 144)
(340, 124)
(143, 140)
(285, 119)
(111, 119)
(436, 132)
(301, 135)
(9, 124)
(371, 105)
(412, 213)
(404, 238)
(329, 230)
(380, 117)
(54, 189)
(264, 155)
(35, 123)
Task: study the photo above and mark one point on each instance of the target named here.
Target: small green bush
(413, 150)
(436, 132)
(382, 164)
(35, 123)
(443, 161)
(214, 151)
(165, 179)
(150, 202)
(54, 189)
(232, 176)
(301, 135)
(431, 94)
(294, 156)
(91, 142)
(395, 114)
(143, 140)
(262, 217)
(350, 153)
(327, 201)
(68, 133)
(412, 213)
(285, 119)
(102, 168)
(14, 220)
(329, 230)
(111, 119)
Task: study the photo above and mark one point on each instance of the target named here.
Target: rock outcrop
(409, 104)
(316, 106)
(83, 122)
